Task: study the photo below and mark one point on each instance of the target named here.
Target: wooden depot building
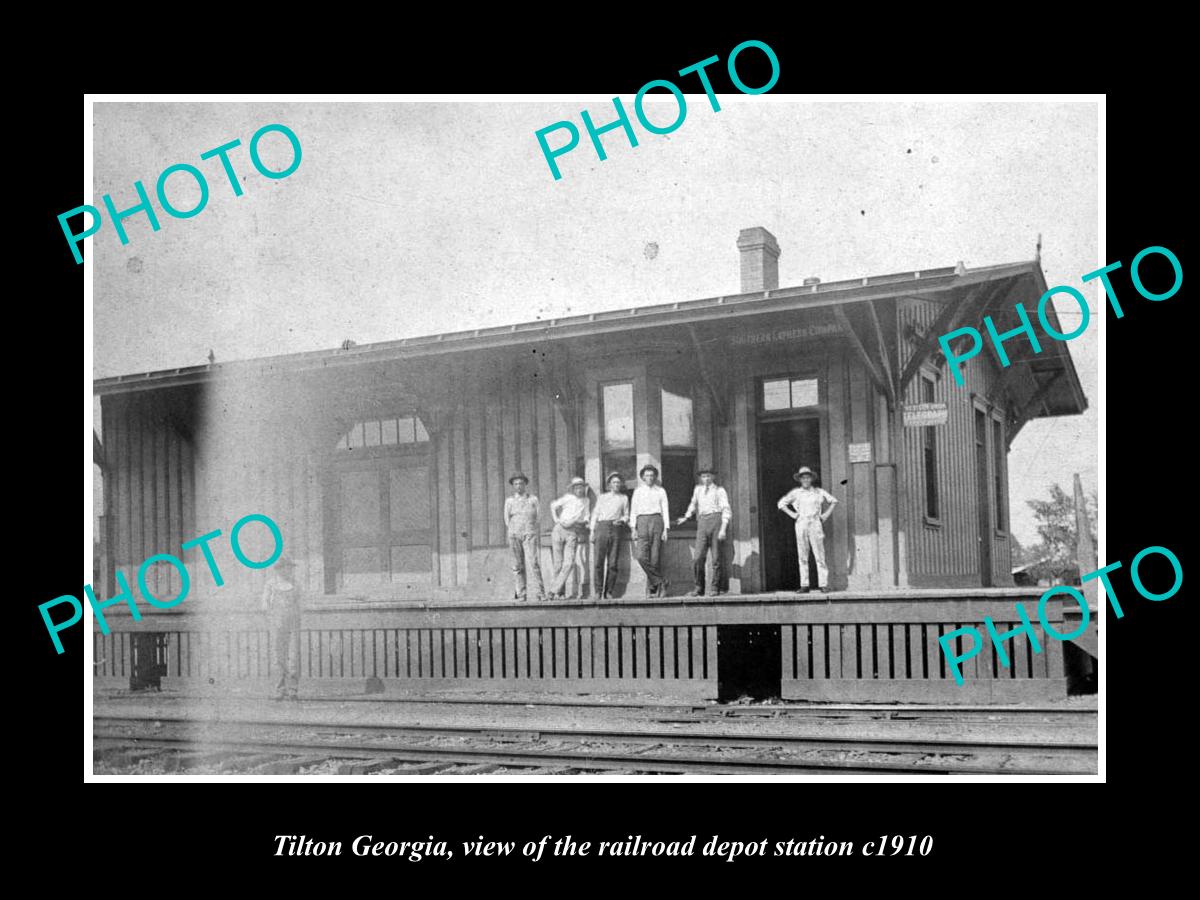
(386, 467)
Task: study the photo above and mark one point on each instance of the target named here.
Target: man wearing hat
(571, 512)
(711, 503)
(611, 512)
(651, 519)
(804, 504)
(281, 603)
(521, 519)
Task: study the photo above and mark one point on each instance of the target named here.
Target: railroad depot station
(386, 466)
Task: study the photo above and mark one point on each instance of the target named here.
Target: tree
(1053, 557)
(1020, 555)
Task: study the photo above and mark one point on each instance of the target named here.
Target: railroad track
(1069, 716)
(182, 758)
(597, 749)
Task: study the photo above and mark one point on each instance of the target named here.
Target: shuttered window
(679, 449)
(998, 455)
(618, 450)
(929, 448)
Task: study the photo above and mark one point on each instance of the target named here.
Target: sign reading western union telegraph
(784, 334)
(920, 415)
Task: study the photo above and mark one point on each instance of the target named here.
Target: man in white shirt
(281, 603)
(711, 504)
(804, 504)
(571, 512)
(651, 519)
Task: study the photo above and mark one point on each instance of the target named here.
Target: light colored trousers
(285, 650)
(525, 559)
(563, 544)
(809, 531)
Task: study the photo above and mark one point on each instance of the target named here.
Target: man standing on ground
(570, 512)
(281, 603)
(521, 520)
(711, 504)
(651, 519)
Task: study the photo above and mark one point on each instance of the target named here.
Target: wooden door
(784, 445)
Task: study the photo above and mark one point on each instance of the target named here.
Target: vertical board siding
(480, 476)
(544, 434)
(443, 494)
(951, 549)
(149, 489)
(497, 481)
(135, 518)
(461, 491)
(836, 444)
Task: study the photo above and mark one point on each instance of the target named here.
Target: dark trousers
(706, 536)
(649, 548)
(608, 544)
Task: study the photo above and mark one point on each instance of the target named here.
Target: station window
(929, 446)
(679, 450)
(788, 393)
(383, 433)
(998, 474)
(617, 447)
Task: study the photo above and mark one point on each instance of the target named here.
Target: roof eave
(687, 312)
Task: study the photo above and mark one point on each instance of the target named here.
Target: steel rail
(532, 733)
(581, 759)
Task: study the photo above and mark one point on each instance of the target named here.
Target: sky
(410, 218)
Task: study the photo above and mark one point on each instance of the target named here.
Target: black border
(156, 829)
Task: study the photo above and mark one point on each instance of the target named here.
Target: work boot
(695, 593)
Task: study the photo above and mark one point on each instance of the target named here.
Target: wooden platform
(862, 647)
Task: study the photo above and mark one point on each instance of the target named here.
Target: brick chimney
(760, 260)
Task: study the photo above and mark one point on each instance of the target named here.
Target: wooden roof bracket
(884, 384)
(1039, 396)
(884, 357)
(949, 319)
(566, 393)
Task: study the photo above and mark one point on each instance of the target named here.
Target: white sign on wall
(922, 415)
(860, 453)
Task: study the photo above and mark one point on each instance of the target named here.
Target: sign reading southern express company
(780, 335)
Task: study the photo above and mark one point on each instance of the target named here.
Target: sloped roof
(1063, 396)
